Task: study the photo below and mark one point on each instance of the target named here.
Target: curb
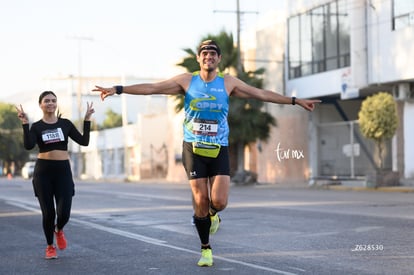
(391, 189)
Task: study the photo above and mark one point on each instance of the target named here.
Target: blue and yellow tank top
(206, 107)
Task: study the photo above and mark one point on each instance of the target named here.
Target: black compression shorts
(204, 167)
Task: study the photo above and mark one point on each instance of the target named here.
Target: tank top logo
(204, 103)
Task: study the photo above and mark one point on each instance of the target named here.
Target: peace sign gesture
(89, 111)
(22, 115)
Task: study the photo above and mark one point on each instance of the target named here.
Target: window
(344, 40)
(305, 44)
(403, 14)
(294, 50)
(319, 40)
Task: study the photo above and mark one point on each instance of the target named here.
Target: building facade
(341, 52)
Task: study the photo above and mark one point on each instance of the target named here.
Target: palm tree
(246, 119)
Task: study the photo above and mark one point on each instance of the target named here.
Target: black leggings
(53, 182)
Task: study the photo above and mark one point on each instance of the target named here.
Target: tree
(11, 138)
(112, 120)
(246, 119)
(378, 120)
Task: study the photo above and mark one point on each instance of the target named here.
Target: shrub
(378, 120)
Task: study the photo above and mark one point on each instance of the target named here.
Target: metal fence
(344, 152)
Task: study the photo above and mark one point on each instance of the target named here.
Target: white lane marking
(152, 241)
(118, 232)
(23, 205)
(232, 205)
(138, 195)
(18, 214)
(367, 228)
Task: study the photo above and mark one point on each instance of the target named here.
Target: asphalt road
(145, 228)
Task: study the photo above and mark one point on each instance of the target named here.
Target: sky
(47, 38)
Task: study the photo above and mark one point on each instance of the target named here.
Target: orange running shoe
(51, 252)
(60, 239)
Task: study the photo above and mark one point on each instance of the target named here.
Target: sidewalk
(407, 186)
(400, 189)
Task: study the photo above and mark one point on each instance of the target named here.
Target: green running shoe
(206, 258)
(215, 223)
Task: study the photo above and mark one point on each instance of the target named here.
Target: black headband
(209, 47)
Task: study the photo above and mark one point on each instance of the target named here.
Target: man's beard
(211, 69)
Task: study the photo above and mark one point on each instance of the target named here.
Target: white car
(27, 170)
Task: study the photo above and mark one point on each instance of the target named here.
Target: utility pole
(238, 30)
(79, 39)
(239, 64)
(240, 146)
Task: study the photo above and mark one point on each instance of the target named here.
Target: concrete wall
(408, 140)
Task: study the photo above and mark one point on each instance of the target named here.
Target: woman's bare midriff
(54, 155)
